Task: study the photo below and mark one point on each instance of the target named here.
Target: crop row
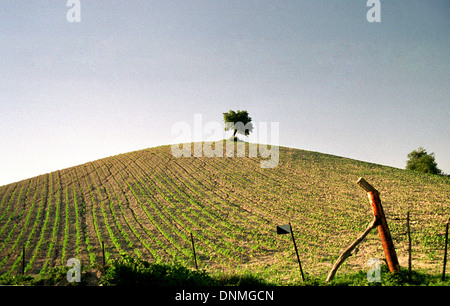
(214, 214)
(134, 225)
(217, 206)
(13, 228)
(172, 218)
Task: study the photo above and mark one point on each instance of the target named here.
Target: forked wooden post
(383, 229)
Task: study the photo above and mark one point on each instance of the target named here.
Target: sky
(120, 78)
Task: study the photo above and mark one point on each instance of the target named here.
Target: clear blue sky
(118, 80)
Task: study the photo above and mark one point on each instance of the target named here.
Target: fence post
(296, 252)
(383, 229)
(103, 253)
(408, 228)
(445, 249)
(193, 249)
(23, 260)
(348, 251)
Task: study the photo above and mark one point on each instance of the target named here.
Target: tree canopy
(419, 160)
(240, 122)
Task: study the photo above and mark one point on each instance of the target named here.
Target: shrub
(419, 160)
(129, 271)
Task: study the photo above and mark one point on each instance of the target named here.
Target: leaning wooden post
(348, 251)
(445, 249)
(383, 229)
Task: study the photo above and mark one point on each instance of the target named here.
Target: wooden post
(383, 229)
(408, 228)
(445, 249)
(296, 252)
(103, 253)
(193, 249)
(348, 251)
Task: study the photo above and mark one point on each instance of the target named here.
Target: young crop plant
(55, 227)
(5, 193)
(13, 213)
(222, 197)
(81, 220)
(95, 222)
(158, 226)
(79, 231)
(147, 203)
(24, 228)
(10, 235)
(66, 226)
(194, 221)
(117, 223)
(150, 201)
(159, 246)
(182, 224)
(35, 225)
(128, 224)
(47, 207)
(214, 225)
(206, 207)
(5, 211)
(232, 230)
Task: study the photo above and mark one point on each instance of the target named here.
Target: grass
(131, 271)
(402, 278)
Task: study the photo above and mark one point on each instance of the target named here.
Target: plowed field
(147, 203)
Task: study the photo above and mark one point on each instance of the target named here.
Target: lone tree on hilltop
(238, 121)
(419, 160)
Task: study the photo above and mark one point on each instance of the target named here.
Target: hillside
(147, 203)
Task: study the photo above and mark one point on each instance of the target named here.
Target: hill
(146, 203)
